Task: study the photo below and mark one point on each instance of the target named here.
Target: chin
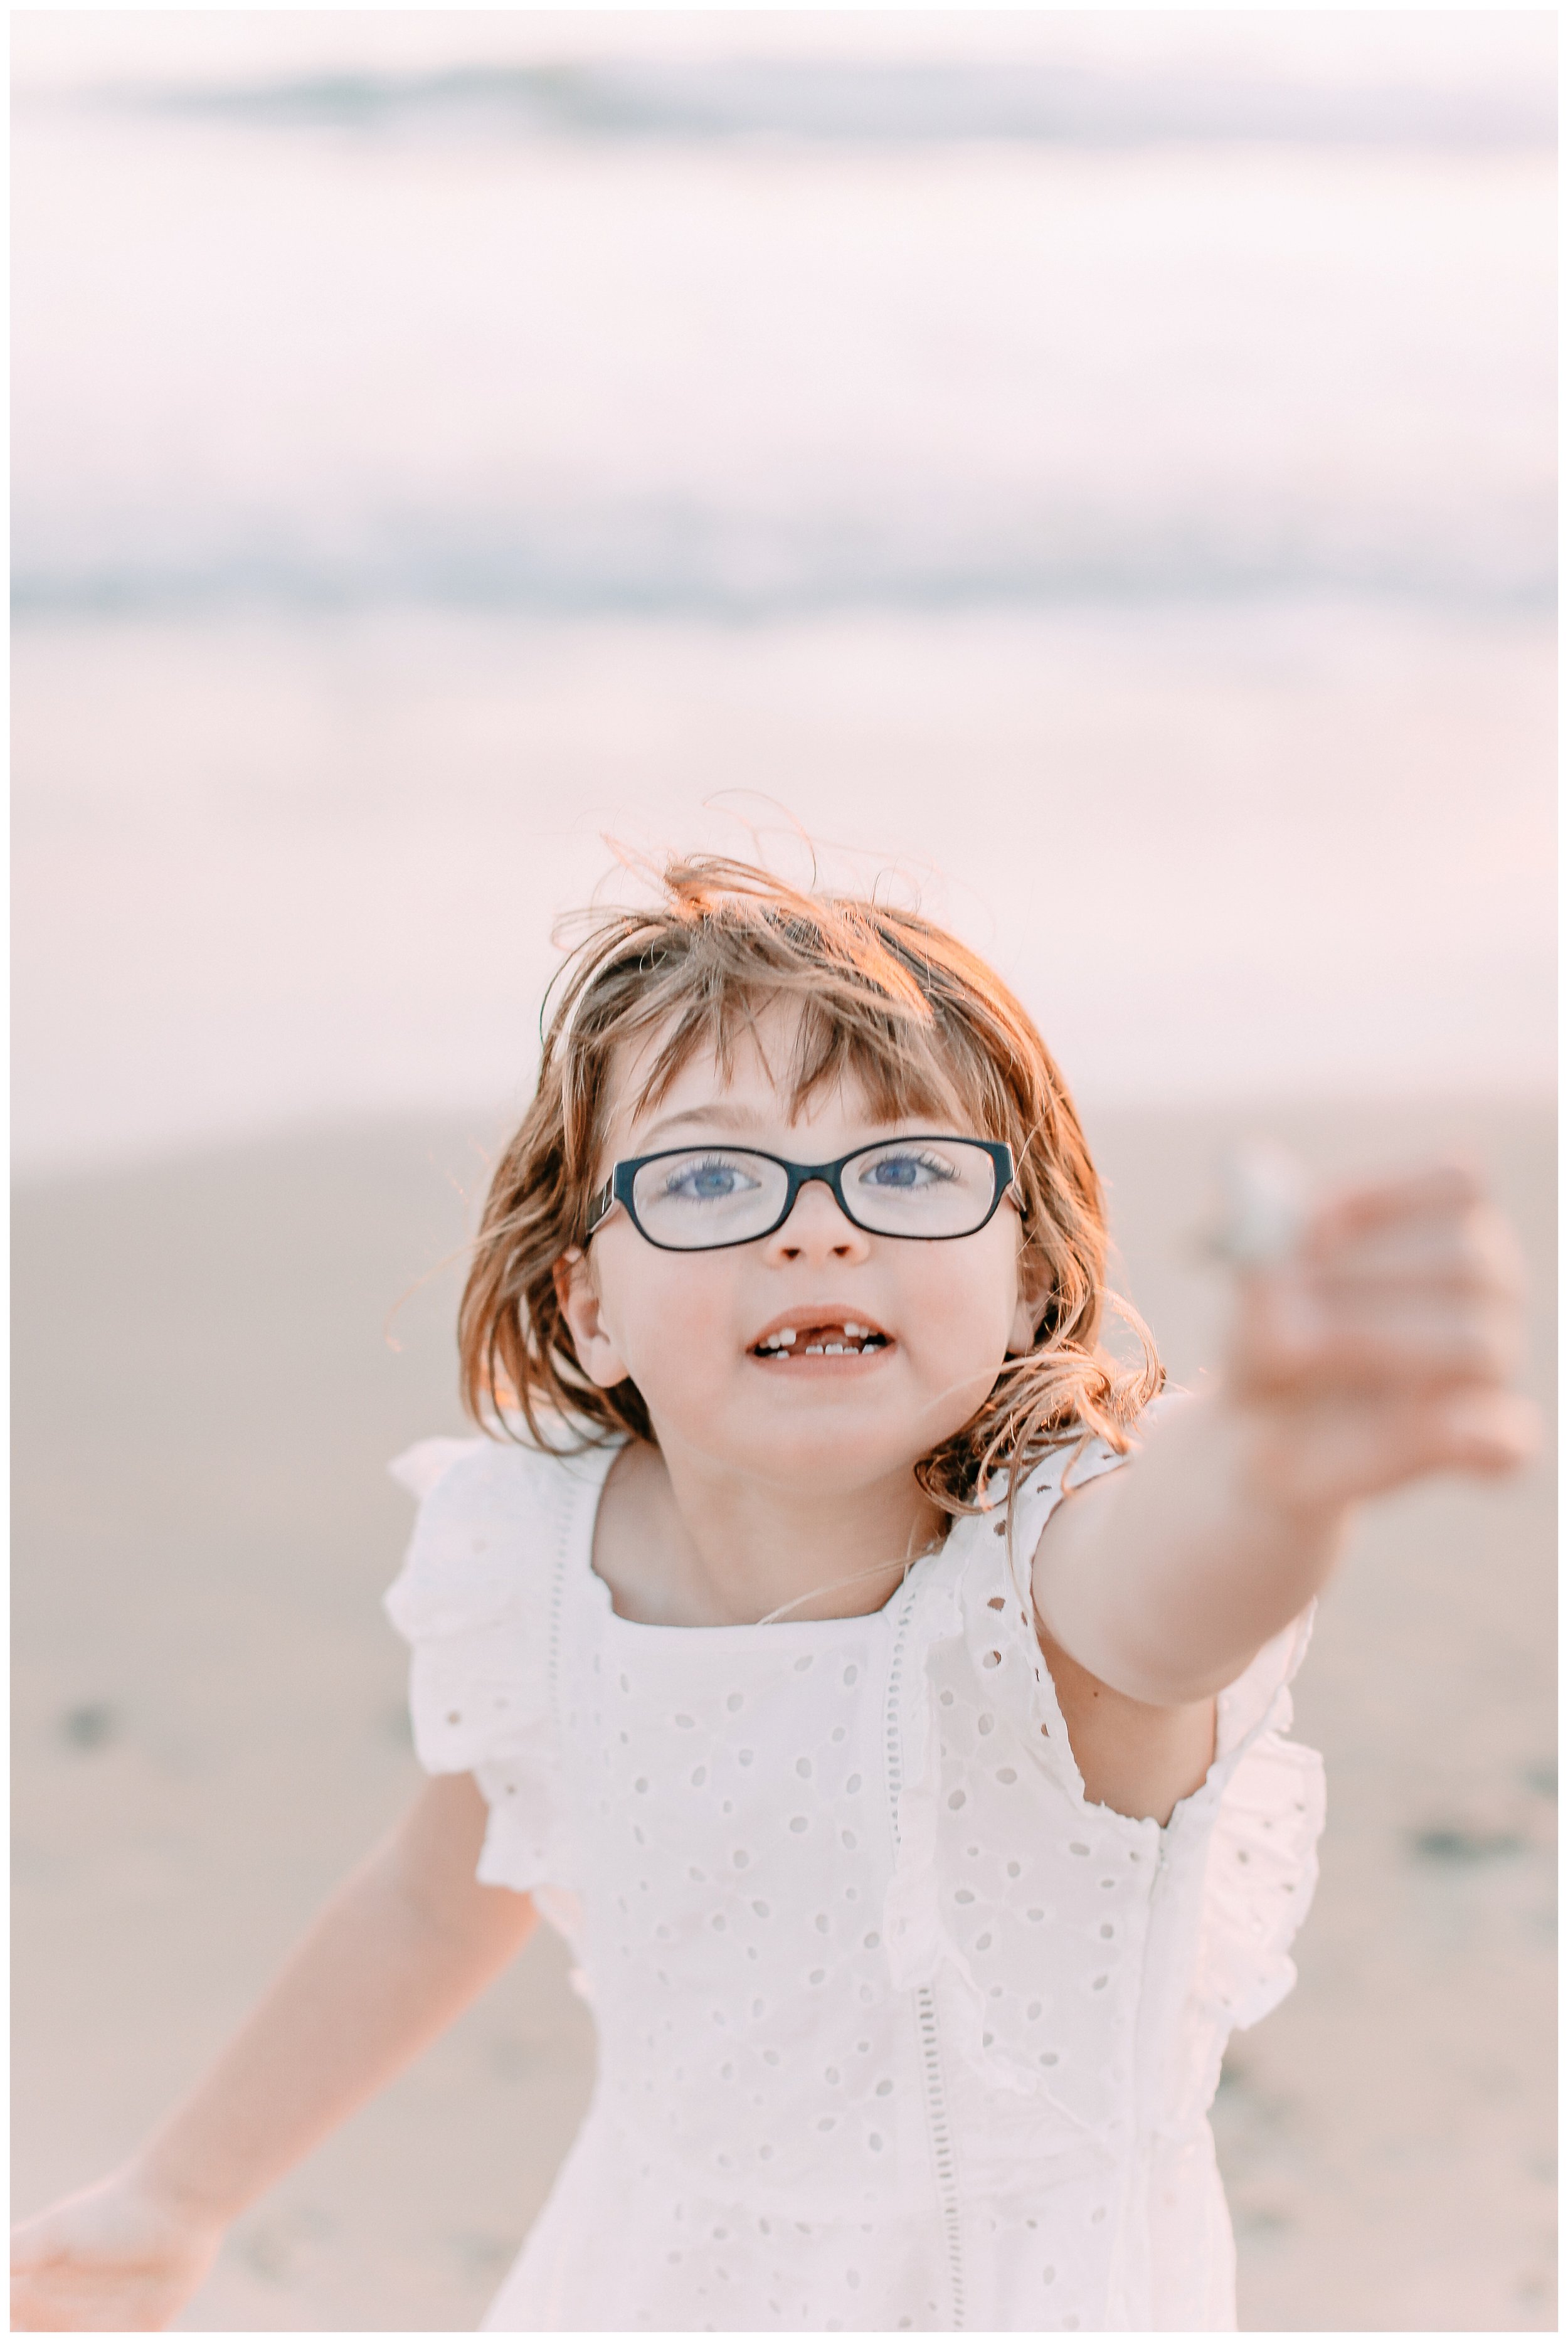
(837, 1458)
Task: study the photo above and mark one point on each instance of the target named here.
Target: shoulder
(1079, 1458)
(1082, 1455)
(491, 1515)
(473, 1600)
(1136, 1758)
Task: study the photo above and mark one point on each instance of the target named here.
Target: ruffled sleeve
(1262, 1859)
(1240, 1868)
(1177, 1934)
(1240, 1852)
(474, 1601)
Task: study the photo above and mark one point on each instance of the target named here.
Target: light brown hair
(883, 996)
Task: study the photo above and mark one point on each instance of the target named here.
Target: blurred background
(1096, 468)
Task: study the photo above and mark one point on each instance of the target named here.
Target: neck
(684, 1542)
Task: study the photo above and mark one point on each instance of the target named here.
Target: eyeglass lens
(723, 1194)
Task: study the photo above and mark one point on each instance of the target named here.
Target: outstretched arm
(405, 1945)
(1379, 1351)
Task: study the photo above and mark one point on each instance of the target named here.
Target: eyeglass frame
(618, 1188)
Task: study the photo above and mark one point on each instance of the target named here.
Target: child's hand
(118, 2259)
(1380, 1347)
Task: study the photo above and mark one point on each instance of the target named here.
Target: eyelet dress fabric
(896, 2032)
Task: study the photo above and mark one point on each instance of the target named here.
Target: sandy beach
(210, 1727)
(1095, 471)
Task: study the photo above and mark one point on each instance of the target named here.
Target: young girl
(829, 1637)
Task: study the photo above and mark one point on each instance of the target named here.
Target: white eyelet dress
(897, 2033)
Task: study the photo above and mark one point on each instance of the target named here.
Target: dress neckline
(591, 1490)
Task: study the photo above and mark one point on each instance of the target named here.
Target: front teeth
(851, 1347)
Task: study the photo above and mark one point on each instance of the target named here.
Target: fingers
(79, 2268)
(1472, 1252)
(1408, 1286)
(1490, 1431)
(32, 2312)
(1441, 1191)
(1300, 1333)
(67, 2299)
(1335, 1451)
(1380, 1348)
(1443, 1213)
(1481, 1432)
(33, 2245)
(1475, 1258)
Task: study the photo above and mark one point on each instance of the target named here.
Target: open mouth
(842, 1337)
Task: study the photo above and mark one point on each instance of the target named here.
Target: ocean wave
(867, 105)
(554, 581)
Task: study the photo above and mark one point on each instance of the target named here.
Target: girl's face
(686, 1327)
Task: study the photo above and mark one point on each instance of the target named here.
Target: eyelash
(926, 1163)
(708, 1163)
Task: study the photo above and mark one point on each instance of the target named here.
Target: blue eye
(713, 1182)
(904, 1172)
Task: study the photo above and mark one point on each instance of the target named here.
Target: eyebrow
(731, 1117)
(742, 1118)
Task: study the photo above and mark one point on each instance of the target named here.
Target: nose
(818, 1230)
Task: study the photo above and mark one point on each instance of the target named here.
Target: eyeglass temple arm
(601, 1205)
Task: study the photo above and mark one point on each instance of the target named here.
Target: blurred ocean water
(1117, 480)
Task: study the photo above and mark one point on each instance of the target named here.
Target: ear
(576, 1290)
(1034, 1296)
(1021, 1337)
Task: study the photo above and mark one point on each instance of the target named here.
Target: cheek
(669, 1311)
(962, 1297)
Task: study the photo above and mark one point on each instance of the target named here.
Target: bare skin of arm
(405, 1943)
(1378, 1353)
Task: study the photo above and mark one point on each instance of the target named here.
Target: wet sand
(209, 1728)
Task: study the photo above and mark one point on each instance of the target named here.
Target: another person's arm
(405, 1945)
(1378, 1352)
